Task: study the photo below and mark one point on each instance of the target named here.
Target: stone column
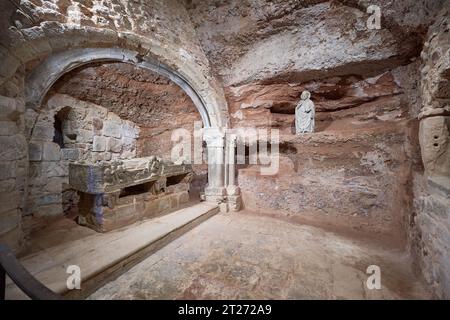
(233, 191)
(215, 190)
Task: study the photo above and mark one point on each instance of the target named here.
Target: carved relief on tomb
(116, 193)
(108, 176)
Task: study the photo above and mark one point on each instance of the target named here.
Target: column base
(215, 195)
(234, 203)
(234, 199)
(228, 199)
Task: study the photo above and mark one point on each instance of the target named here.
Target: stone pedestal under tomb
(118, 193)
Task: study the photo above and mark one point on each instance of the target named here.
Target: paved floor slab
(102, 254)
(243, 256)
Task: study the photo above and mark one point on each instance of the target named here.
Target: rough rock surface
(260, 40)
(273, 105)
(354, 180)
(430, 222)
(88, 132)
(141, 96)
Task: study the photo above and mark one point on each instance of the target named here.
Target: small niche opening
(287, 148)
(283, 107)
(174, 180)
(60, 117)
(137, 189)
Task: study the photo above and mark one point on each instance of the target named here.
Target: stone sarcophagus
(117, 193)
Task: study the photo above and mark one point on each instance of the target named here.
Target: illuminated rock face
(298, 41)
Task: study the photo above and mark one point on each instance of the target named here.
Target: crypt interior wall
(355, 173)
(366, 168)
(151, 101)
(106, 112)
(429, 232)
(40, 30)
(374, 168)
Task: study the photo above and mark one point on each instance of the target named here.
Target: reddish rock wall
(355, 181)
(354, 174)
(32, 31)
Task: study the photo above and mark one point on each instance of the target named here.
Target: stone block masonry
(87, 132)
(160, 29)
(13, 159)
(120, 212)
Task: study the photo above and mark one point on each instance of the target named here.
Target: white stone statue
(304, 114)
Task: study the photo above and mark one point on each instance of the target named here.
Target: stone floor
(243, 256)
(101, 255)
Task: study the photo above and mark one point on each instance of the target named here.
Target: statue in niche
(304, 114)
